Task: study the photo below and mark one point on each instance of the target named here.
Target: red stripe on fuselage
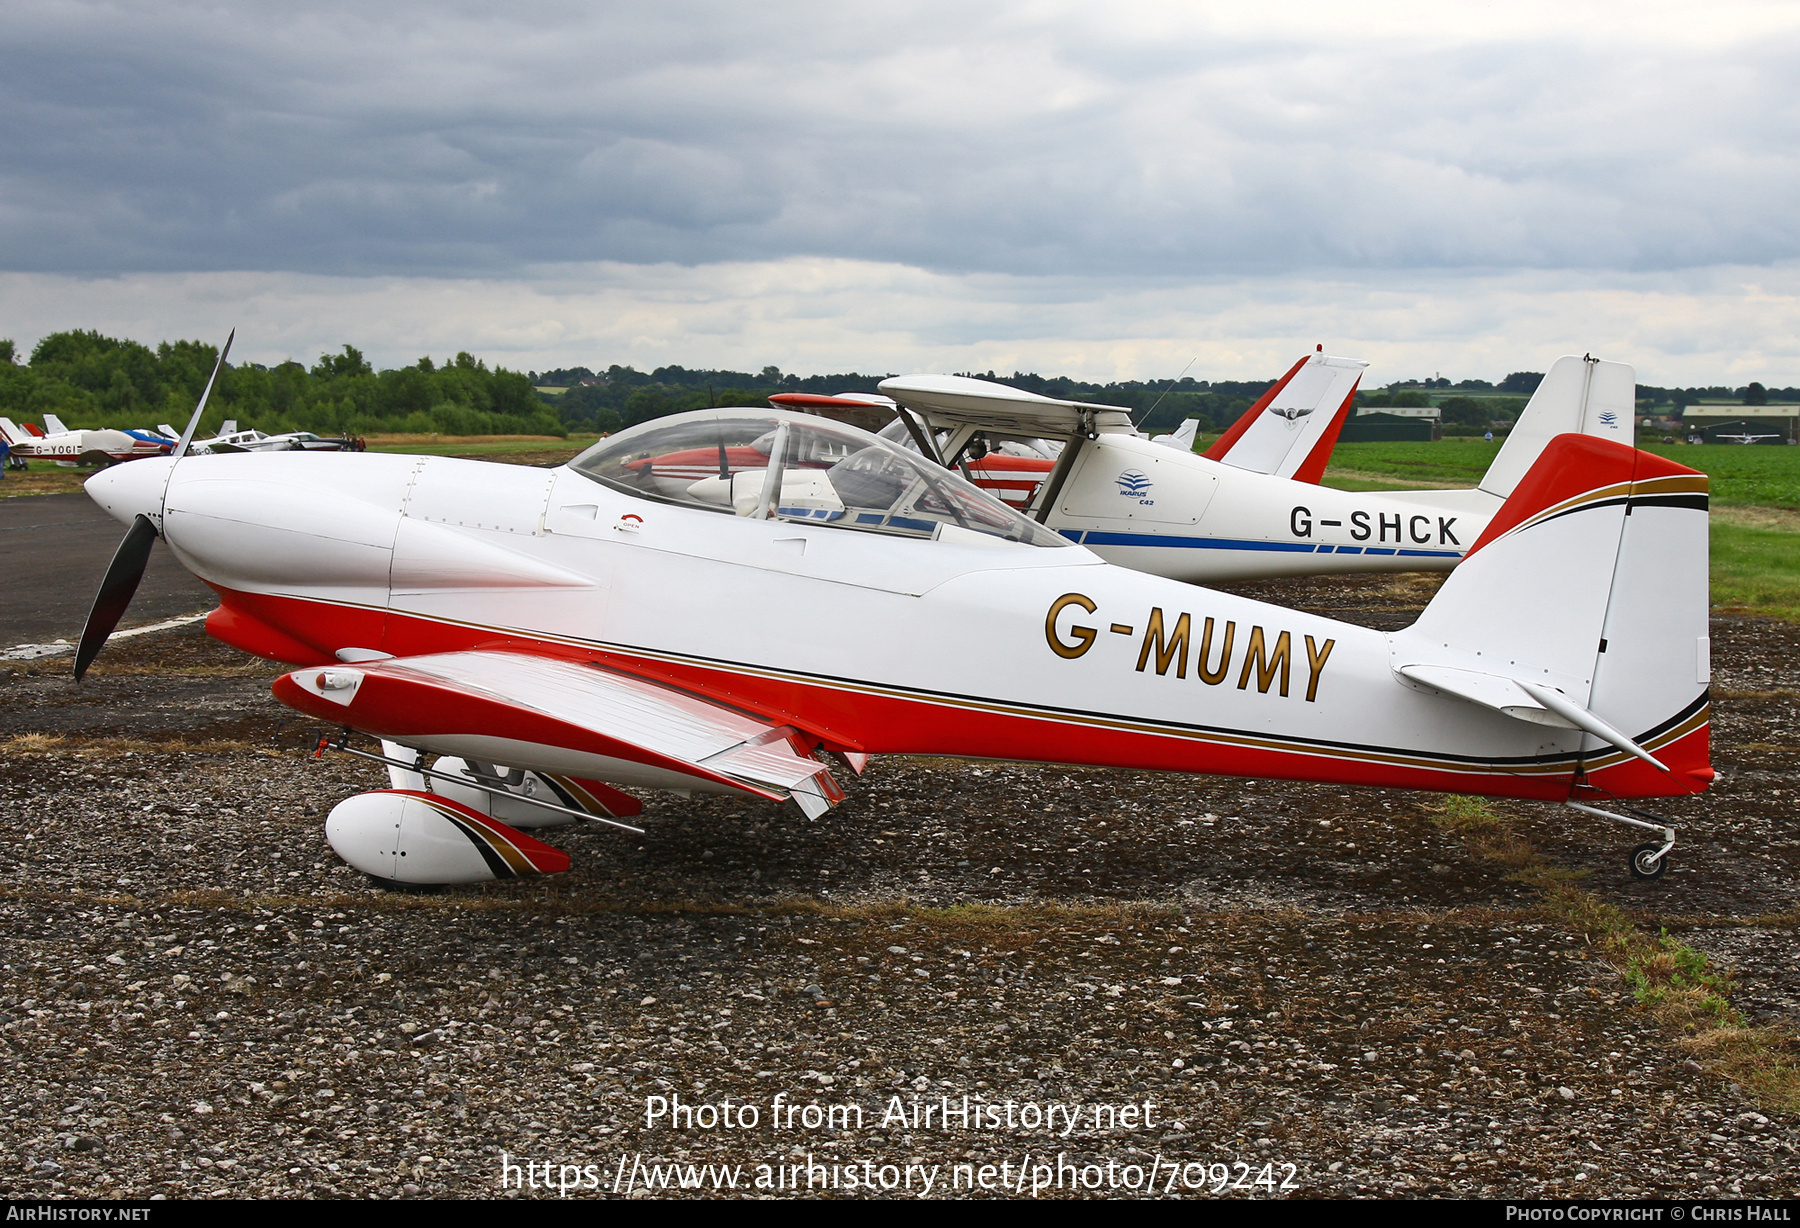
(857, 717)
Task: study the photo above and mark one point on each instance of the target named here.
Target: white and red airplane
(69, 448)
(559, 635)
(1251, 506)
(231, 439)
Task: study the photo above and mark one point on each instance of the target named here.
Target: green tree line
(622, 396)
(89, 380)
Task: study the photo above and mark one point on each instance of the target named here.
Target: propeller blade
(187, 436)
(116, 590)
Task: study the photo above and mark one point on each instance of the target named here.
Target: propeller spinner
(133, 554)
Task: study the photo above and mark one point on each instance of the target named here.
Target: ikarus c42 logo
(1135, 485)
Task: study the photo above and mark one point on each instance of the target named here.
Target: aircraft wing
(869, 413)
(959, 400)
(551, 715)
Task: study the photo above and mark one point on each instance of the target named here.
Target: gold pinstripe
(508, 852)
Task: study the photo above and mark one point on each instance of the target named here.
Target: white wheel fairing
(411, 837)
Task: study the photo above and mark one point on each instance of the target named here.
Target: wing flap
(557, 716)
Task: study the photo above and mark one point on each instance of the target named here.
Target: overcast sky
(1107, 190)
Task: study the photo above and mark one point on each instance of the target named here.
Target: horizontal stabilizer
(1503, 695)
(565, 718)
(1581, 718)
(1523, 701)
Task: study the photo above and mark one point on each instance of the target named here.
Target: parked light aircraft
(231, 439)
(69, 448)
(1251, 506)
(1743, 435)
(558, 635)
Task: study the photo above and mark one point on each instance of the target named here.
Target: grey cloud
(475, 140)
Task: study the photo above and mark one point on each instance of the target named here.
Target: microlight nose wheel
(1648, 862)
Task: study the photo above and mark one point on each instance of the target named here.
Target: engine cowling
(412, 837)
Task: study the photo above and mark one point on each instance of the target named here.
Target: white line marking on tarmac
(56, 648)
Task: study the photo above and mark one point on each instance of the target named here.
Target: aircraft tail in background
(1292, 428)
(1579, 395)
(1182, 438)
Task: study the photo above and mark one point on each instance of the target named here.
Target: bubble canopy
(777, 465)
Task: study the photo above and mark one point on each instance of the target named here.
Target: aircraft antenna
(1165, 391)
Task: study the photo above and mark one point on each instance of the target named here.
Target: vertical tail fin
(10, 432)
(1292, 428)
(54, 425)
(1590, 584)
(1584, 396)
(1182, 438)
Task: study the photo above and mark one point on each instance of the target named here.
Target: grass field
(1755, 571)
(1753, 476)
(477, 445)
(42, 478)
(1749, 477)
(1449, 462)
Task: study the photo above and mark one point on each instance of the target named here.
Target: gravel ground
(1312, 987)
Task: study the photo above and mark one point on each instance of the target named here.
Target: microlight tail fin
(1291, 429)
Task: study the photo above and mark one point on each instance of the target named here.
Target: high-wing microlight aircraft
(1251, 506)
(1743, 435)
(69, 448)
(653, 615)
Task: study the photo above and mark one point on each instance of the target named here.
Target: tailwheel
(1649, 861)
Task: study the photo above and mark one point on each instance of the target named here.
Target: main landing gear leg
(1647, 861)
